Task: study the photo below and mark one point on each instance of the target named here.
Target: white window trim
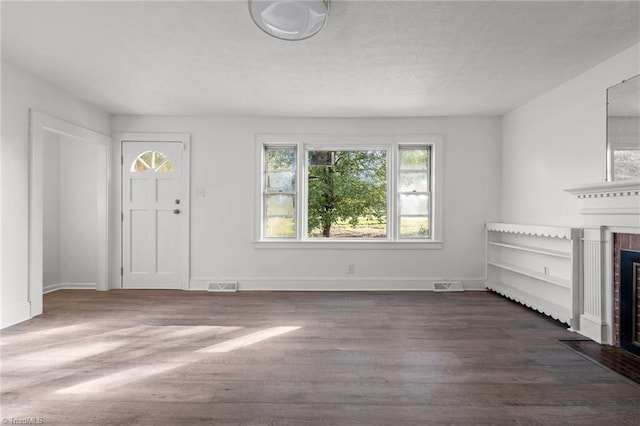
(390, 143)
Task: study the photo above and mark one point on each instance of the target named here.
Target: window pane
(158, 159)
(414, 181)
(347, 196)
(414, 158)
(147, 157)
(152, 160)
(627, 164)
(139, 166)
(281, 158)
(414, 227)
(280, 181)
(162, 163)
(280, 205)
(279, 172)
(166, 167)
(280, 227)
(414, 204)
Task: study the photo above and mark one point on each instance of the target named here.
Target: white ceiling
(373, 58)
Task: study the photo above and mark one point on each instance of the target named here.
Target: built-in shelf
(536, 266)
(532, 274)
(531, 230)
(553, 253)
(532, 301)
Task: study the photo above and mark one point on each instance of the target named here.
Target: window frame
(266, 193)
(399, 193)
(303, 143)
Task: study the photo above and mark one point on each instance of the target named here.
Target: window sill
(349, 245)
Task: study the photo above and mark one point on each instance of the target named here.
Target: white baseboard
(335, 284)
(15, 313)
(68, 286)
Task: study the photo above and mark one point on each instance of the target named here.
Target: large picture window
(347, 191)
(347, 194)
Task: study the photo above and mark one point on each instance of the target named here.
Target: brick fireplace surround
(621, 241)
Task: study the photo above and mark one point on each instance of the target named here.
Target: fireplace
(627, 288)
(611, 226)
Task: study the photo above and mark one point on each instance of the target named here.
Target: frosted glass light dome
(289, 19)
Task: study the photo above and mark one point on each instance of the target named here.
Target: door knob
(176, 211)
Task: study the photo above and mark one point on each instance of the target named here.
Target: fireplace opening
(630, 301)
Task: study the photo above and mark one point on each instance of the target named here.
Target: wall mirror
(623, 130)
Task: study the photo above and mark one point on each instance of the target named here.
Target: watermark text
(23, 421)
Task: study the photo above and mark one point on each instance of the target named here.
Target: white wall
(70, 217)
(78, 212)
(558, 140)
(20, 92)
(222, 161)
(51, 207)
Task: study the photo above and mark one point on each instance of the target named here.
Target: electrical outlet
(351, 269)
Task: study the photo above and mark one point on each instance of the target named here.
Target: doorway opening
(69, 213)
(68, 207)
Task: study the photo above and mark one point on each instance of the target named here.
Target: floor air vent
(447, 286)
(223, 286)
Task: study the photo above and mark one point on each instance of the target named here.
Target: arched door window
(152, 160)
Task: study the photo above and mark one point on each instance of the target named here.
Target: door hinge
(121, 216)
(121, 270)
(121, 160)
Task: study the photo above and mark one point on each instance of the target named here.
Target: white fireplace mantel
(618, 187)
(606, 207)
(610, 204)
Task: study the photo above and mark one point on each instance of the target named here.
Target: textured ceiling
(373, 59)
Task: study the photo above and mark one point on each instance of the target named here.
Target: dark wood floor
(618, 360)
(171, 357)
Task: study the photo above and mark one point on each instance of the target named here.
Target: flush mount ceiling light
(289, 19)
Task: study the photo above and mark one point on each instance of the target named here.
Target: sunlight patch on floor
(169, 332)
(111, 381)
(35, 335)
(173, 332)
(121, 378)
(247, 340)
(62, 355)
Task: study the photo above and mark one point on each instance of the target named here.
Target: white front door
(153, 215)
